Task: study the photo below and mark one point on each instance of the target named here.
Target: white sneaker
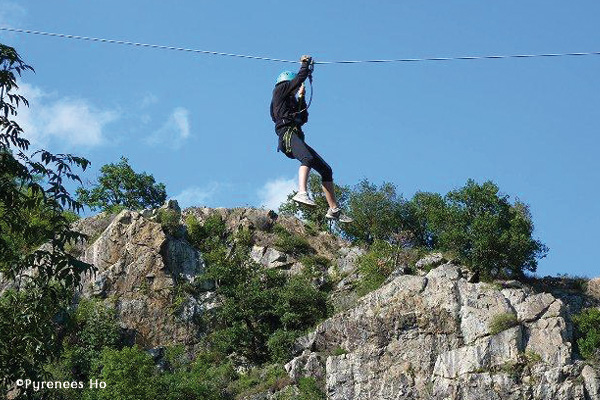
(302, 197)
(336, 214)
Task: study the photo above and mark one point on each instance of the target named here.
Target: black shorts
(291, 143)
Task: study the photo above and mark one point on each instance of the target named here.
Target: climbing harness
(286, 139)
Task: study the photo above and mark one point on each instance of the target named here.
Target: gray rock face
(479, 306)
(183, 260)
(430, 261)
(591, 379)
(481, 355)
(270, 257)
(138, 269)
(437, 337)
(593, 288)
(143, 272)
(309, 364)
(262, 221)
(348, 259)
(172, 204)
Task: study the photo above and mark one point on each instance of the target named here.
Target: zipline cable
(218, 53)
(128, 43)
(596, 53)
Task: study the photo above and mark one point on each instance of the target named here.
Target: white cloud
(275, 192)
(174, 131)
(71, 121)
(196, 196)
(182, 123)
(148, 100)
(11, 13)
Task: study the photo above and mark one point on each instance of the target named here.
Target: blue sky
(200, 123)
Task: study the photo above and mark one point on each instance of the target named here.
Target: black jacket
(284, 106)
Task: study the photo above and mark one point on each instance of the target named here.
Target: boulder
(270, 257)
(308, 364)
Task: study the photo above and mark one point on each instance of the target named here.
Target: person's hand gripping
(306, 59)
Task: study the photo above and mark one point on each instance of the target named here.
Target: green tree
(37, 230)
(477, 222)
(129, 374)
(91, 327)
(255, 303)
(426, 216)
(120, 187)
(379, 213)
(587, 324)
(32, 204)
(315, 215)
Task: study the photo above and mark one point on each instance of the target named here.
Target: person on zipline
(289, 112)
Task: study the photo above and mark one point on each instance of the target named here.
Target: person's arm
(300, 77)
(303, 115)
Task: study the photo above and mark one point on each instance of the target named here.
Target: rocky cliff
(434, 335)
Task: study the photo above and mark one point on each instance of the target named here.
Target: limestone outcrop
(440, 337)
(139, 271)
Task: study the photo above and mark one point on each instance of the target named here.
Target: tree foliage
(480, 225)
(33, 199)
(377, 264)
(119, 187)
(477, 223)
(91, 327)
(379, 213)
(129, 374)
(261, 310)
(587, 324)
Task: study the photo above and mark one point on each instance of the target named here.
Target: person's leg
(328, 189)
(326, 176)
(311, 159)
(303, 173)
(300, 152)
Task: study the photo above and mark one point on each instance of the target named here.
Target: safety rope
(156, 46)
(311, 68)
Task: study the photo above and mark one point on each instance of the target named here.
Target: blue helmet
(285, 76)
